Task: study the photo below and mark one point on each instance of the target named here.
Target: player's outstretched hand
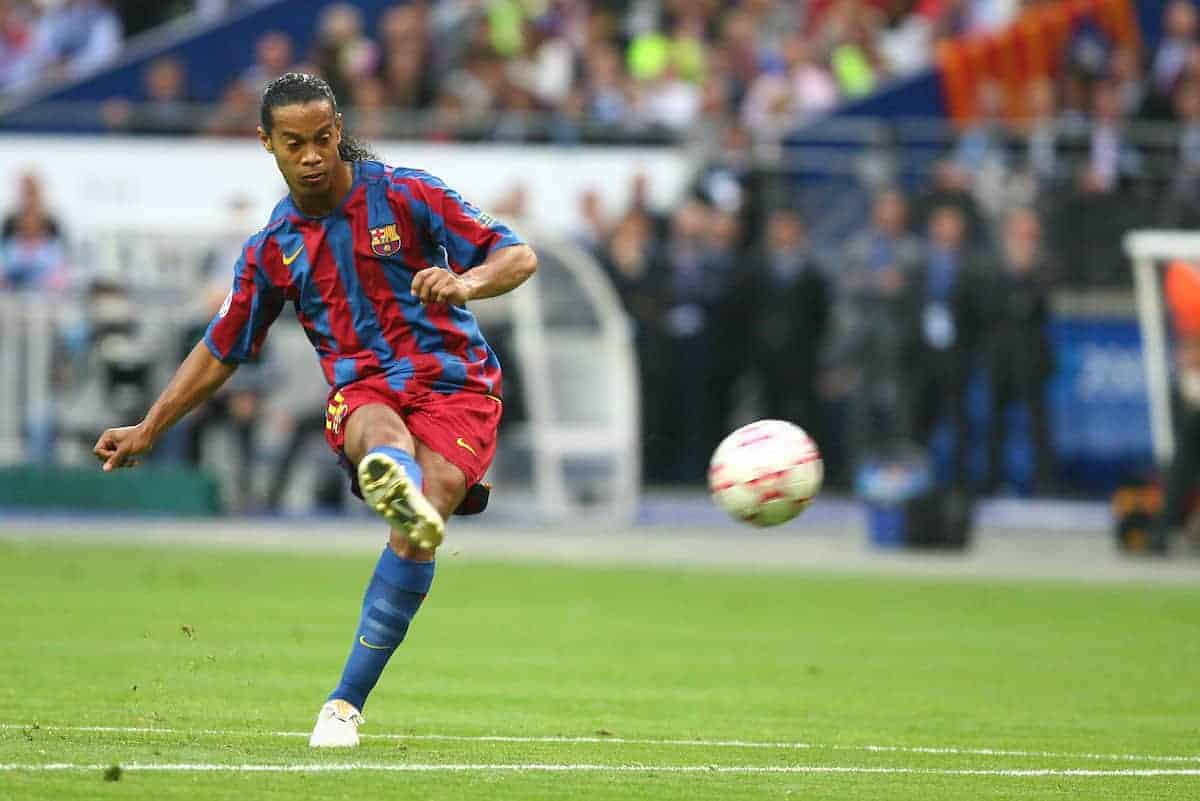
(435, 285)
(120, 447)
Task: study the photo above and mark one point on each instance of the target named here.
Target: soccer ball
(765, 473)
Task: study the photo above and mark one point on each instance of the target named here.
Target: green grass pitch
(207, 667)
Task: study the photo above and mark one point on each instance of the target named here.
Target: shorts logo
(462, 443)
(385, 241)
(335, 413)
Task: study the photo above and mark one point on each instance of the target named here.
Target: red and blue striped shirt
(349, 275)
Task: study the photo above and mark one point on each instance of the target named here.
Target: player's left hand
(120, 447)
(435, 285)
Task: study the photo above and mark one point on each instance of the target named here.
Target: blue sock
(392, 600)
(406, 460)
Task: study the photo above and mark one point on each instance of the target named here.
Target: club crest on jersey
(385, 241)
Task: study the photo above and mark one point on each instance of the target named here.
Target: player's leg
(378, 442)
(445, 483)
(380, 446)
(453, 441)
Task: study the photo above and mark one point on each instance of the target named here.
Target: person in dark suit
(944, 319)
(783, 298)
(1018, 352)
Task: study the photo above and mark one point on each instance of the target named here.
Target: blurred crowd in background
(863, 303)
(621, 66)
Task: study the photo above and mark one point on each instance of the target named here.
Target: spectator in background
(727, 181)
(630, 259)
(369, 114)
(739, 48)
(515, 119)
(1087, 225)
(404, 35)
(782, 300)
(80, 36)
(273, 57)
(33, 257)
(690, 294)
(725, 267)
(1125, 73)
(951, 187)
(668, 102)
(788, 93)
(30, 197)
(545, 67)
(853, 56)
(945, 316)
(237, 115)
(32, 253)
(1111, 157)
(477, 86)
(607, 96)
(1019, 353)
(866, 354)
(905, 40)
(668, 73)
(983, 149)
(1182, 205)
(21, 54)
(1039, 132)
(983, 145)
(1172, 56)
(594, 229)
(166, 108)
(342, 54)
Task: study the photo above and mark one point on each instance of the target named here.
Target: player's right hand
(120, 447)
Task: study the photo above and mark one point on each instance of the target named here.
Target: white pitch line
(202, 767)
(498, 738)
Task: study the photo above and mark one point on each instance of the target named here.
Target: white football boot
(387, 489)
(337, 726)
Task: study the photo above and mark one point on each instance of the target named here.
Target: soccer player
(378, 262)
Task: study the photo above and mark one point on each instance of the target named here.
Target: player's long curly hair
(294, 88)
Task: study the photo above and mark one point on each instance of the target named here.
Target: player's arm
(484, 257)
(200, 375)
(235, 335)
(503, 271)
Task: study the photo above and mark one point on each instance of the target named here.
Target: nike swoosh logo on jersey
(289, 259)
(362, 640)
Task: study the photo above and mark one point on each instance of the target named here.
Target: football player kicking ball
(378, 262)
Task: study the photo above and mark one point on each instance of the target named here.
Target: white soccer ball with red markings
(766, 473)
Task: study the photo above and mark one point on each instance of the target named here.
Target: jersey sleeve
(468, 234)
(238, 330)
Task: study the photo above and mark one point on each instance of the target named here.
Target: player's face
(304, 140)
